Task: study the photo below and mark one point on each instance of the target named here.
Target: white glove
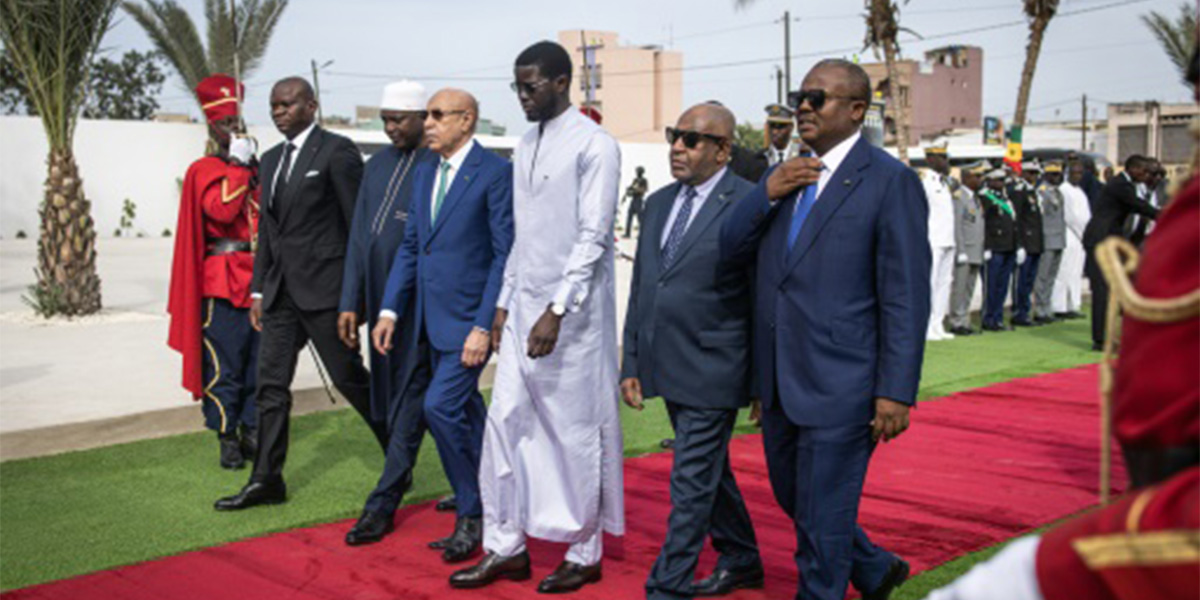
(1020, 256)
(962, 258)
(987, 255)
(241, 149)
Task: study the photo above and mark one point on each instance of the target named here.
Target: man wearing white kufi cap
(397, 382)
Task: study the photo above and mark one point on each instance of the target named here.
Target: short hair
(859, 81)
(549, 57)
(1137, 161)
(306, 88)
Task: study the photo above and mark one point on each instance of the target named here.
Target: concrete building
(1163, 131)
(637, 89)
(942, 92)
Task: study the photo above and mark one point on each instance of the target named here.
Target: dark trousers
(1099, 296)
(817, 475)
(999, 271)
(1026, 277)
(705, 500)
(635, 211)
(406, 431)
(229, 365)
(286, 330)
(455, 414)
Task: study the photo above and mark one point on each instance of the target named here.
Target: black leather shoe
(231, 452)
(667, 443)
(249, 442)
(896, 575)
(465, 541)
(1022, 323)
(994, 328)
(1044, 320)
(254, 494)
(569, 577)
(1075, 315)
(371, 527)
(447, 504)
(962, 331)
(1097, 347)
(724, 581)
(493, 567)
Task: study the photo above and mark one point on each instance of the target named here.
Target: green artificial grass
(80, 512)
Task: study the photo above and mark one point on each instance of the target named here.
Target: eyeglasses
(816, 98)
(529, 87)
(779, 125)
(439, 114)
(691, 138)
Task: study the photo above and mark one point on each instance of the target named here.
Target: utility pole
(787, 49)
(317, 87)
(1083, 130)
(778, 85)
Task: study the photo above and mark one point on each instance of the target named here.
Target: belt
(218, 246)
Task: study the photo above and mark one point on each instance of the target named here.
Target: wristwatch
(558, 309)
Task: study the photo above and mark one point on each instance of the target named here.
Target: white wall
(141, 160)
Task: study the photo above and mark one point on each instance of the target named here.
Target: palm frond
(1176, 36)
(258, 27)
(174, 35)
(220, 36)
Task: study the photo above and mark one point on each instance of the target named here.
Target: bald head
(703, 138)
(711, 118)
(302, 88)
(453, 115)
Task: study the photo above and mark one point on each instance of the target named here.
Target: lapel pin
(846, 182)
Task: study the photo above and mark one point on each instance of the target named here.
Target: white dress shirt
(833, 159)
(298, 143)
(702, 192)
(455, 161)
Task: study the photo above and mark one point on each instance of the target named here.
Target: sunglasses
(529, 87)
(816, 98)
(691, 138)
(439, 114)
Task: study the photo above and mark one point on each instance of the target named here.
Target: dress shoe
(370, 528)
(895, 576)
(231, 452)
(493, 567)
(1075, 315)
(465, 541)
(249, 442)
(254, 494)
(1044, 320)
(447, 504)
(667, 443)
(995, 328)
(569, 577)
(962, 331)
(1022, 322)
(724, 581)
(1097, 347)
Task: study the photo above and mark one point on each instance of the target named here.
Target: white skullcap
(403, 95)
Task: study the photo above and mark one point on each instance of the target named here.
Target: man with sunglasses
(384, 203)
(687, 340)
(552, 450)
(841, 249)
(450, 266)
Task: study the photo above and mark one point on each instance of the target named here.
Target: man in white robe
(1067, 297)
(552, 449)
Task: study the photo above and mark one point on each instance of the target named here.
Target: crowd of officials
(799, 281)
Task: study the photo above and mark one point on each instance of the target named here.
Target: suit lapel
(270, 163)
(303, 160)
(716, 202)
(840, 185)
(463, 180)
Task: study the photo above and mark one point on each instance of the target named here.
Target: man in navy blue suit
(687, 339)
(451, 264)
(842, 261)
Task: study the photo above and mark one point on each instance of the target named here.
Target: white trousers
(1009, 575)
(512, 542)
(940, 277)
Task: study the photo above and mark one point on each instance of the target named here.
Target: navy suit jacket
(687, 330)
(453, 268)
(840, 318)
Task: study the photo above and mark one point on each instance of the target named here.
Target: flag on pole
(1012, 157)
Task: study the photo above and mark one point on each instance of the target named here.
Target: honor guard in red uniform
(210, 276)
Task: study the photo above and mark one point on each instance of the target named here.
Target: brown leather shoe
(569, 577)
(493, 567)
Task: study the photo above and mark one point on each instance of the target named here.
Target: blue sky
(1105, 52)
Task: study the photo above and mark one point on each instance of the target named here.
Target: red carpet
(977, 468)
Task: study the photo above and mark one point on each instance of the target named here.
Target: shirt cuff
(388, 314)
(568, 297)
(505, 297)
(256, 296)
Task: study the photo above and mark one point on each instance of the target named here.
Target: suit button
(427, 251)
(662, 284)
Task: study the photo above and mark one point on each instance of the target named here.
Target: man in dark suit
(687, 340)
(310, 184)
(451, 265)
(842, 257)
(1117, 201)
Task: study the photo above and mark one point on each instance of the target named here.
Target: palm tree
(882, 28)
(1177, 37)
(52, 43)
(1039, 13)
(244, 34)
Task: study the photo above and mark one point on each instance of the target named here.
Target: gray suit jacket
(687, 330)
(1054, 219)
(968, 225)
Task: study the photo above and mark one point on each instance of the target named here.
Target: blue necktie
(803, 206)
(679, 226)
